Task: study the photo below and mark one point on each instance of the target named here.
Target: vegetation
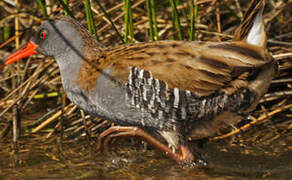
(31, 89)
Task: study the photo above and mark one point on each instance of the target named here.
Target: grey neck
(69, 64)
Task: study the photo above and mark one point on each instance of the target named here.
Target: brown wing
(200, 67)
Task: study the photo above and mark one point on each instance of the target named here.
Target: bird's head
(53, 38)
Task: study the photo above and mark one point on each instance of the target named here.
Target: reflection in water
(127, 159)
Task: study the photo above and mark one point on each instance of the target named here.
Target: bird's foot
(186, 157)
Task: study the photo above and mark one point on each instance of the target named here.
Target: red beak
(26, 50)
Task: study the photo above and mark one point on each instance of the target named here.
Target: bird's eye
(43, 35)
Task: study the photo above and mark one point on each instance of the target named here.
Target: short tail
(252, 28)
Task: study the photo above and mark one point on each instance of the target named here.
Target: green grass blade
(126, 22)
(66, 8)
(7, 32)
(89, 18)
(43, 8)
(175, 17)
(149, 14)
(129, 28)
(46, 95)
(154, 18)
(193, 17)
(108, 17)
(1, 35)
(66, 2)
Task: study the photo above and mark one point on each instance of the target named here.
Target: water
(127, 158)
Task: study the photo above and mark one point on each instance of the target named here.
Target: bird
(168, 92)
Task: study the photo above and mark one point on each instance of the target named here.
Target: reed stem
(90, 19)
(176, 20)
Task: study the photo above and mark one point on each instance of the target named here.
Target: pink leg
(185, 156)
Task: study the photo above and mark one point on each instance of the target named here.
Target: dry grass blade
(51, 119)
(196, 19)
(261, 118)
